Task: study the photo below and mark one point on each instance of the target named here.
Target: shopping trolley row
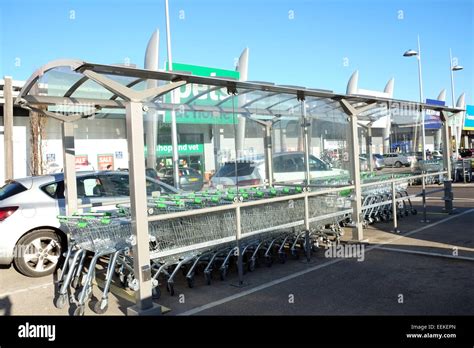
(201, 243)
(377, 198)
(377, 202)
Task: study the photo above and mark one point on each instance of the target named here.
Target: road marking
(292, 276)
(258, 288)
(26, 289)
(427, 253)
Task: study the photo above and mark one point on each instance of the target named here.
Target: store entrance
(188, 161)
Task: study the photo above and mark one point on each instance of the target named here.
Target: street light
(417, 54)
(452, 69)
(174, 127)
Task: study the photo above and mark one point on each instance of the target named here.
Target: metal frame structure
(136, 102)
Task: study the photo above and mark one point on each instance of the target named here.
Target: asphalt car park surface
(424, 270)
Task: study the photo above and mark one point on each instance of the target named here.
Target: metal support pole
(394, 209)
(306, 226)
(268, 154)
(240, 261)
(370, 154)
(174, 144)
(357, 230)
(446, 147)
(138, 200)
(69, 159)
(8, 127)
(456, 142)
(305, 127)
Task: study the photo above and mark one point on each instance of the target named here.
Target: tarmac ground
(426, 269)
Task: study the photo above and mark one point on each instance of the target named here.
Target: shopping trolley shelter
(299, 206)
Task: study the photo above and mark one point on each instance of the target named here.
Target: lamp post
(453, 68)
(174, 128)
(417, 54)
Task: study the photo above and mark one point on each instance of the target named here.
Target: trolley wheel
(208, 277)
(76, 282)
(282, 257)
(295, 254)
(223, 272)
(100, 307)
(170, 288)
(155, 293)
(370, 221)
(79, 311)
(190, 281)
(377, 218)
(251, 265)
(414, 211)
(123, 279)
(60, 301)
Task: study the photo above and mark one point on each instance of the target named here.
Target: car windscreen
(11, 189)
(228, 169)
(189, 172)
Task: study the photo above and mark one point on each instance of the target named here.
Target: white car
(30, 234)
(287, 167)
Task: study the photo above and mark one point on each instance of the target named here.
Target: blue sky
(297, 42)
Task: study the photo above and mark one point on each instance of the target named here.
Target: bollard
(448, 197)
(423, 192)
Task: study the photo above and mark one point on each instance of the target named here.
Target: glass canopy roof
(60, 84)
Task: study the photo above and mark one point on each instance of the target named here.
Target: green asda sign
(183, 149)
(189, 91)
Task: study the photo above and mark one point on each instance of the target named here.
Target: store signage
(213, 97)
(82, 160)
(105, 162)
(183, 149)
(50, 157)
(469, 118)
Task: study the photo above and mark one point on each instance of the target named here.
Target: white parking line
(292, 276)
(26, 289)
(417, 252)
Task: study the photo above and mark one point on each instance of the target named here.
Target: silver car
(396, 160)
(30, 234)
(287, 167)
(378, 162)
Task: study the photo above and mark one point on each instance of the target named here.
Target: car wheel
(38, 253)
(398, 164)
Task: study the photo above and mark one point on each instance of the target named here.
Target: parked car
(465, 153)
(288, 166)
(30, 234)
(189, 179)
(378, 162)
(396, 160)
(413, 157)
(436, 154)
